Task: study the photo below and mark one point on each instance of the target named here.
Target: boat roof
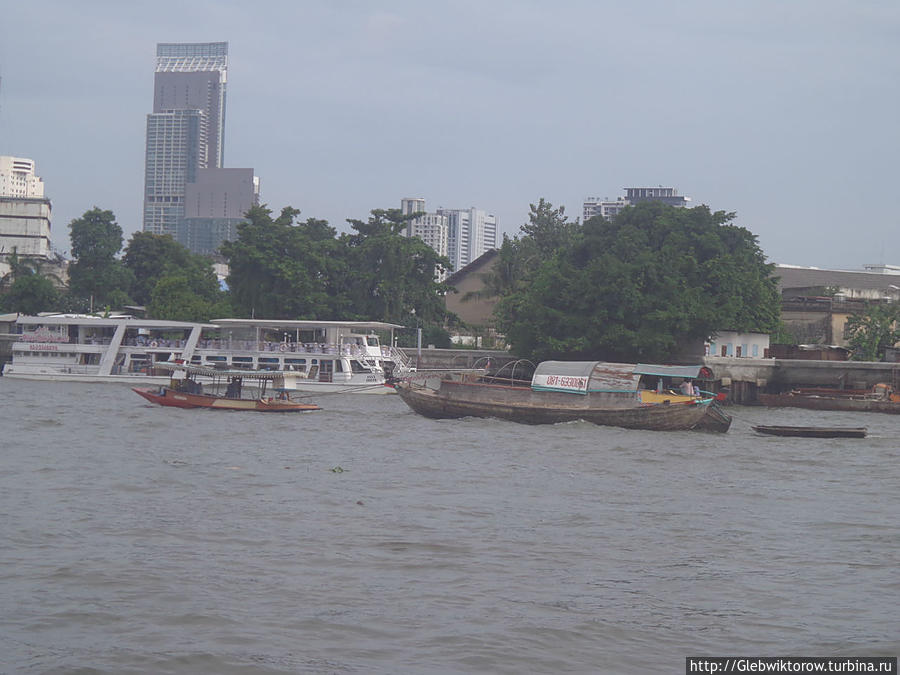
(688, 372)
(209, 371)
(82, 319)
(300, 323)
(584, 376)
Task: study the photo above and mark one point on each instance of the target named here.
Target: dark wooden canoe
(520, 404)
(813, 432)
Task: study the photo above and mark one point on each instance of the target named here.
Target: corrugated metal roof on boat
(692, 372)
(584, 376)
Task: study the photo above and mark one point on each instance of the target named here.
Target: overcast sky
(785, 112)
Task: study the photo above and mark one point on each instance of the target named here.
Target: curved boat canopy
(686, 372)
(209, 371)
(581, 377)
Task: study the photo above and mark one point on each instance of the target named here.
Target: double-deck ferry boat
(325, 355)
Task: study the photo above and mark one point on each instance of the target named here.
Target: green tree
(152, 258)
(27, 288)
(394, 274)
(872, 331)
(174, 297)
(30, 294)
(637, 288)
(96, 273)
(279, 269)
(547, 231)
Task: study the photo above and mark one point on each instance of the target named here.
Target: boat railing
(397, 356)
(281, 347)
(512, 373)
(152, 342)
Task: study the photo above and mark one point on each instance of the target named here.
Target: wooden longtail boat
(813, 432)
(560, 391)
(186, 392)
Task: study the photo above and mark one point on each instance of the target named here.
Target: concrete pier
(746, 377)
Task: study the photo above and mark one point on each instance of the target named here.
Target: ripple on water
(450, 546)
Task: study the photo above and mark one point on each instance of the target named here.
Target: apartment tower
(186, 130)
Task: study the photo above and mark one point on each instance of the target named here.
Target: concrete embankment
(745, 378)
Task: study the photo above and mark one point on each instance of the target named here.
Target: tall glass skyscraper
(186, 130)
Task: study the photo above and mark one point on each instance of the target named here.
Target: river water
(366, 539)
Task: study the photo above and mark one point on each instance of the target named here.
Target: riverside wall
(745, 378)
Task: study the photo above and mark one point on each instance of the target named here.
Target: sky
(785, 112)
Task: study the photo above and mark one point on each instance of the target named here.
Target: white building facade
(608, 209)
(471, 233)
(462, 235)
(17, 178)
(24, 211)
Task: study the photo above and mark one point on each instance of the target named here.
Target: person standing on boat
(687, 388)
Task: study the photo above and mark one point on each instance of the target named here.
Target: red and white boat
(184, 391)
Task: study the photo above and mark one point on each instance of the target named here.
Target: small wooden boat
(187, 392)
(560, 391)
(813, 432)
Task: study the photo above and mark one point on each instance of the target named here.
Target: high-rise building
(666, 195)
(471, 232)
(186, 130)
(606, 208)
(459, 234)
(429, 227)
(594, 206)
(24, 211)
(17, 178)
(215, 203)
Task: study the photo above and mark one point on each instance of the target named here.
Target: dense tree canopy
(96, 276)
(280, 268)
(636, 288)
(172, 282)
(393, 274)
(25, 288)
(873, 330)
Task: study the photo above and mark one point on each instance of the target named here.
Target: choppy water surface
(366, 539)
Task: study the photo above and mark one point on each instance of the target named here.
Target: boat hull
(176, 399)
(817, 402)
(812, 432)
(532, 410)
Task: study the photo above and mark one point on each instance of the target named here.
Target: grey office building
(215, 204)
(186, 130)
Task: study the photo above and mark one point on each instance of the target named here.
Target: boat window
(242, 362)
(268, 363)
(339, 365)
(296, 361)
(220, 359)
(357, 367)
(372, 341)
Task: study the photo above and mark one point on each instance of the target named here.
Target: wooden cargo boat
(184, 391)
(560, 391)
(881, 398)
(813, 432)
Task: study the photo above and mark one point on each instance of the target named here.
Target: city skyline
(777, 112)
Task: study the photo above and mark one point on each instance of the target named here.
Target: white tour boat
(322, 356)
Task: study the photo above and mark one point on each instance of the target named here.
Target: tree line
(633, 288)
(279, 267)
